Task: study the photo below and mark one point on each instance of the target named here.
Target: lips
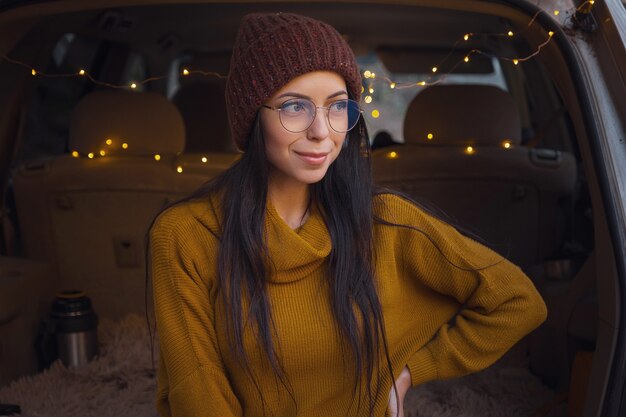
(313, 158)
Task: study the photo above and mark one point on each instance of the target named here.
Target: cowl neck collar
(294, 255)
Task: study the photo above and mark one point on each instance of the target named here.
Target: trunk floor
(121, 382)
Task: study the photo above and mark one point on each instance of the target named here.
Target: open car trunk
(551, 198)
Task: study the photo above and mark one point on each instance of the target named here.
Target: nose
(320, 128)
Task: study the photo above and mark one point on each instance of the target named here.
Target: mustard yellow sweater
(441, 321)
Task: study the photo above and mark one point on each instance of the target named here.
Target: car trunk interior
(56, 231)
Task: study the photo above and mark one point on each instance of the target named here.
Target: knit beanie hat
(270, 50)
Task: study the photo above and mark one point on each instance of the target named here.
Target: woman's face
(303, 157)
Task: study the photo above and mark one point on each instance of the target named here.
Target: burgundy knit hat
(270, 50)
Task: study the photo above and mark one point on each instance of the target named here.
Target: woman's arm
(192, 380)
(498, 304)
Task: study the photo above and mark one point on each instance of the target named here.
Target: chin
(312, 177)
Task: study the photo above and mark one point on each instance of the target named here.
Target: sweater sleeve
(191, 377)
(498, 304)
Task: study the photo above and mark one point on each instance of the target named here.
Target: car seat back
(463, 153)
(88, 211)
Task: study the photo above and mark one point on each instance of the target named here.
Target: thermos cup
(72, 329)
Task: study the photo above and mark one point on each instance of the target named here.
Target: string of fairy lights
(370, 76)
(436, 76)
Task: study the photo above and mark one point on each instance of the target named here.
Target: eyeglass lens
(298, 114)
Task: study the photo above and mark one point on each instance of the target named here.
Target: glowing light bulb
(510, 33)
(466, 37)
(430, 136)
(591, 2)
(157, 157)
(375, 114)
(392, 155)
(551, 34)
(469, 150)
(516, 61)
(109, 142)
(75, 154)
(368, 99)
(367, 74)
(90, 155)
(434, 69)
(133, 85)
(33, 72)
(392, 85)
(81, 72)
(373, 75)
(204, 159)
(185, 72)
(102, 152)
(466, 59)
(556, 12)
(124, 145)
(371, 90)
(179, 169)
(422, 83)
(506, 144)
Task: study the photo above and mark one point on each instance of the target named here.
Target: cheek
(269, 127)
(277, 139)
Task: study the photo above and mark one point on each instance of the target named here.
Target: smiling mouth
(312, 158)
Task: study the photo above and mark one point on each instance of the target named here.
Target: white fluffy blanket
(120, 382)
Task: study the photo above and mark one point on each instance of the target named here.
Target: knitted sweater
(450, 306)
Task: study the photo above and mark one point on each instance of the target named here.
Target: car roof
(210, 27)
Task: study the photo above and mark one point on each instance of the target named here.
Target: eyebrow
(290, 94)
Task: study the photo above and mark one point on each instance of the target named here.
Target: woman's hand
(403, 383)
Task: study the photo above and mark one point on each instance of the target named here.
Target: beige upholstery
(203, 107)
(209, 148)
(147, 122)
(510, 196)
(89, 216)
(462, 115)
(25, 297)
(207, 164)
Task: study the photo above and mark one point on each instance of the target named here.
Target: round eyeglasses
(297, 115)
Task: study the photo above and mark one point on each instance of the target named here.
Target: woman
(289, 285)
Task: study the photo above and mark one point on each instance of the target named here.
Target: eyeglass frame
(327, 108)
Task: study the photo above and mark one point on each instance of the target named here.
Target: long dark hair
(344, 198)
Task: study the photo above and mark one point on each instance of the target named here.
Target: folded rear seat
(208, 147)
(89, 215)
(463, 154)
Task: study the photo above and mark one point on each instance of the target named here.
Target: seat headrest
(462, 115)
(147, 122)
(202, 104)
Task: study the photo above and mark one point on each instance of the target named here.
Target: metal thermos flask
(75, 326)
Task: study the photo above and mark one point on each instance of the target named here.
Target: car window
(388, 93)
(58, 90)
(135, 71)
(47, 119)
(384, 106)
